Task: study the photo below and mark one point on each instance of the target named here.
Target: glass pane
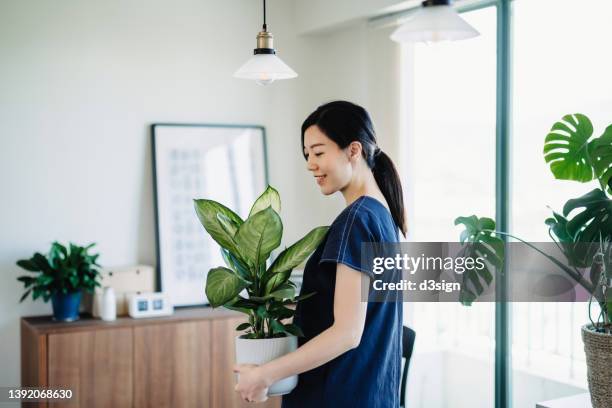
(449, 98)
(561, 66)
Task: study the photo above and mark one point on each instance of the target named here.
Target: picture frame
(225, 163)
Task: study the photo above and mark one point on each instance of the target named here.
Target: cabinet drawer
(96, 365)
(172, 365)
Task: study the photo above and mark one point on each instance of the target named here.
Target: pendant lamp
(435, 21)
(265, 67)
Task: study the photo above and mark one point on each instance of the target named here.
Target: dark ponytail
(344, 123)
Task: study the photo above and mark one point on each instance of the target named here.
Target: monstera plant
(583, 232)
(246, 246)
(584, 227)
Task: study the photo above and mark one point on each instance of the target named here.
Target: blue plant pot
(66, 306)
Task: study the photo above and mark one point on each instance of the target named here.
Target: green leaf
(28, 265)
(42, 263)
(44, 280)
(235, 264)
(262, 312)
(27, 280)
(304, 297)
(207, 211)
(243, 326)
(237, 309)
(479, 242)
(36, 292)
(283, 292)
(566, 148)
(227, 224)
(223, 285)
(25, 295)
(594, 222)
(294, 329)
(298, 252)
(280, 312)
(600, 150)
(269, 198)
(277, 327)
(274, 281)
(466, 297)
(250, 303)
(259, 235)
(577, 253)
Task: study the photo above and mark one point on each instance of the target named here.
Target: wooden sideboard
(183, 360)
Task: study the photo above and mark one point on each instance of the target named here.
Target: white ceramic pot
(260, 351)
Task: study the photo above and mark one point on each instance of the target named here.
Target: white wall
(80, 82)
(356, 63)
(312, 16)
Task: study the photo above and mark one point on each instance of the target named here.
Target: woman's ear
(354, 150)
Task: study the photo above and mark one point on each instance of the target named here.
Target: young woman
(351, 353)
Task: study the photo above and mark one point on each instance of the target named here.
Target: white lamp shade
(432, 24)
(265, 69)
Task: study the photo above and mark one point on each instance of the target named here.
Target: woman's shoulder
(365, 220)
(365, 212)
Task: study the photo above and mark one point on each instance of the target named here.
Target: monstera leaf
(594, 222)
(579, 254)
(479, 243)
(269, 198)
(601, 154)
(566, 148)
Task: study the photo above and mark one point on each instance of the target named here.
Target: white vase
(260, 351)
(109, 305)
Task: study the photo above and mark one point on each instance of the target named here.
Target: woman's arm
(344, 334)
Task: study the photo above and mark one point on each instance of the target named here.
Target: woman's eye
(318, 154)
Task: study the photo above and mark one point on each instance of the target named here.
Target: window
(562, 69)
(449, 100)
(560, 65)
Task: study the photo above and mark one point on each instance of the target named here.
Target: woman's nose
(310, 165)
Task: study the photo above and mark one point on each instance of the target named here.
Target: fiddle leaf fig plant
(246, 246)
(584, 229)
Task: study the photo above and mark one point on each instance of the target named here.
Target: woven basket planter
(598, 349)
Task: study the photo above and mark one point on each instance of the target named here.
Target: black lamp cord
(265, 27)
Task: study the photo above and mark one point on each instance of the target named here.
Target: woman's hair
(344, 123)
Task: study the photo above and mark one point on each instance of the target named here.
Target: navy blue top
(367, 376)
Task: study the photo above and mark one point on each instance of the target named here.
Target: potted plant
(246, 246)
(583, 232)
(61, 276)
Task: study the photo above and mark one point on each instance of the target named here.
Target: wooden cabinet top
(44, 324)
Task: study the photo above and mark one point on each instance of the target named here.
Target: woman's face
(329, 164)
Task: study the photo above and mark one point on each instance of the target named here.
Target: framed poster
(225, 163)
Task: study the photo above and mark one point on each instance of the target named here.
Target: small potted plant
(583, 233)
(246, 246)
(61, 276)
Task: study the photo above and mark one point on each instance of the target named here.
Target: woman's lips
(320, 179)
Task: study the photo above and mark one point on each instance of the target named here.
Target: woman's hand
(253, 384)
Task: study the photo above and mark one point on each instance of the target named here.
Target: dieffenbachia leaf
(269, 198)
